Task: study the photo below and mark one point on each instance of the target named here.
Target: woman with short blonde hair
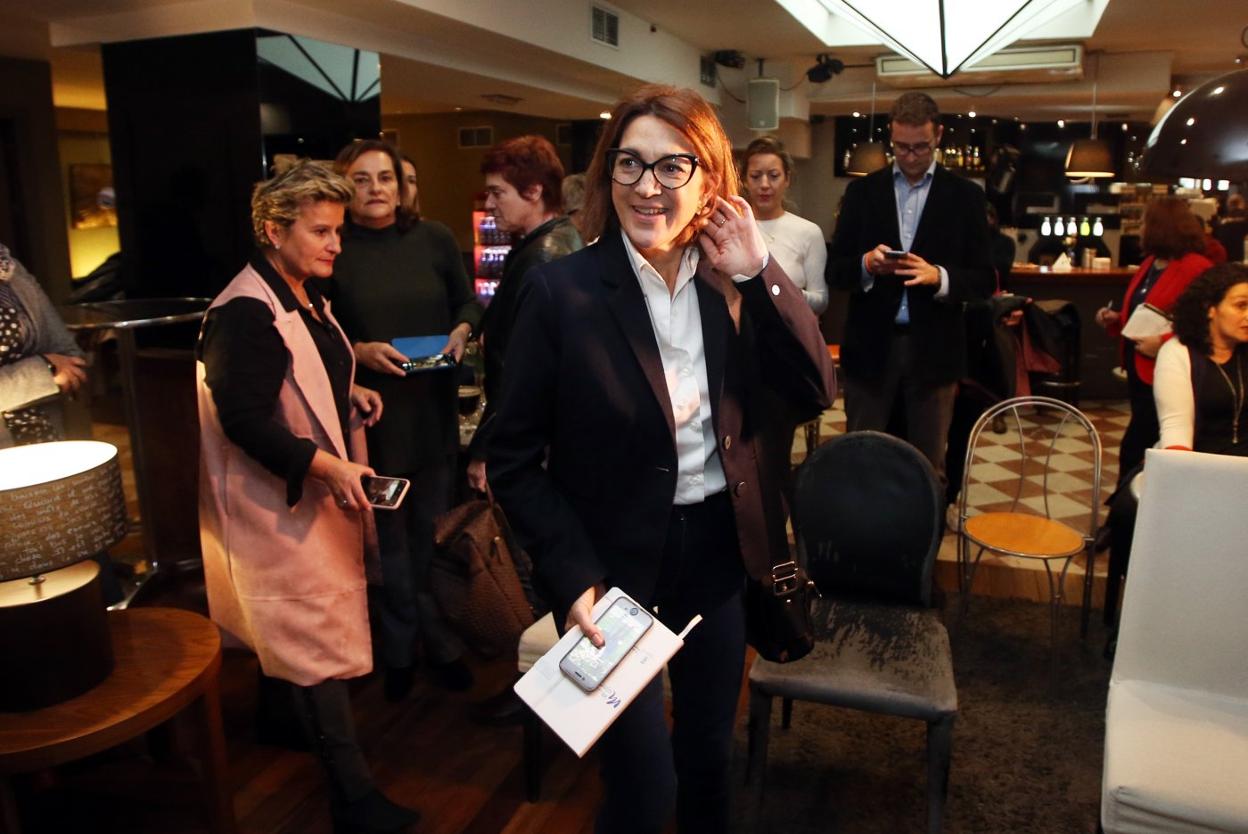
(282, 511)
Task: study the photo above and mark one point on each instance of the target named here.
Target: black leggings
(1143, 431)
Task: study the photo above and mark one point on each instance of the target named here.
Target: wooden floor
(426, 752)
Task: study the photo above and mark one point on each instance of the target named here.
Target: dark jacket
(953, 233)
(548, 242)
(583, 459)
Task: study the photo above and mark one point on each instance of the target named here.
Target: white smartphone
(385, 493)
(622, 625)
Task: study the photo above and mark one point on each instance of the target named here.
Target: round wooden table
(166, 660)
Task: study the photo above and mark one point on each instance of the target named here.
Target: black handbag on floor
(777, 615)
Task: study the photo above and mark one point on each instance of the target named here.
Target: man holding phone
(911, 246)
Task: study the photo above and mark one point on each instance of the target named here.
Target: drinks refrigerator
(490, 246)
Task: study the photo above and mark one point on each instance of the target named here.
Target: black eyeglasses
(920, 149)
(672, 171)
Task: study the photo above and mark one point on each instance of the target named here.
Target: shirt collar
(641, 267)
(279, 286)
(927, 176)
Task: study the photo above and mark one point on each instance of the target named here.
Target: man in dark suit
(904, 339)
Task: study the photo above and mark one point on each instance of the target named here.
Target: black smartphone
(895, 254)
(428, 363)
(622, 625)
(385, 493)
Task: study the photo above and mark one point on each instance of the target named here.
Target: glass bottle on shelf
(1046, 228)
(1060, 228)
(1071, 228)
(1085, 228)
(1098, 228)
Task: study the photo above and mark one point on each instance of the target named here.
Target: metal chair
(868, 514)
(1017, 487)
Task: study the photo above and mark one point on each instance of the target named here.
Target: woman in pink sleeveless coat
(284, 521)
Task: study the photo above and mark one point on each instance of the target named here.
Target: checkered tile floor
(995, 479)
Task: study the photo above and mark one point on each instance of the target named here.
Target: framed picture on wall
(92, 202)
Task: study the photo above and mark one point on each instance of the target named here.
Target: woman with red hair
(625, 448)
(1173, 239)
(524, 192)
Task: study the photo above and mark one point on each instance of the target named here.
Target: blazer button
(739, 488)
(726, 443)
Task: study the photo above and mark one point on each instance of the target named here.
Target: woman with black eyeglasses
(624, 452)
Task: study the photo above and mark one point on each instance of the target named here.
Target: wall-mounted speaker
(762, 97)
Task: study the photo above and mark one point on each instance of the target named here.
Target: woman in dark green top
(400, 277)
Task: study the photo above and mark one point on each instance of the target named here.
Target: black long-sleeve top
(389, 283)
(245, 362)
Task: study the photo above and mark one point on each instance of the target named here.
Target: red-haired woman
(524, 192)
(1173, 239)
(625, 447)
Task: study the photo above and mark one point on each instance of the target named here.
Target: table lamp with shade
(60, 504)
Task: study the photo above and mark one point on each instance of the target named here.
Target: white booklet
(1145, 322)
(579, 717)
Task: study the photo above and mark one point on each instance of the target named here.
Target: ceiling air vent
(606, 26)
(476, 137)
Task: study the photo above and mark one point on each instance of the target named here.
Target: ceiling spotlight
(731, 58)
(857, 115)
(1177, 93)
(825, 67)
(971, 114)
(605, 114)
(1061, 123)
(1124, 127)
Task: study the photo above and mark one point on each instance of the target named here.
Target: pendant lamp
(1204, 135)
(870, 156)
(1090, 158)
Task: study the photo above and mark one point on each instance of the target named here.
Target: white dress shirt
(677, 321)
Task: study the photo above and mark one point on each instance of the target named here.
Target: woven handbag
(475, 578)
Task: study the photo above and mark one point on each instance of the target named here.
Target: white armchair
(1176, 734)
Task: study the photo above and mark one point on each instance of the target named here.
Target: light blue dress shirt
(910, 202)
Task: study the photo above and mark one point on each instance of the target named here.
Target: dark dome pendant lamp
(1205, 135)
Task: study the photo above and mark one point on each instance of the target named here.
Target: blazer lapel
(887, 201)
(628, 305)
(933, 208)
(713, 308)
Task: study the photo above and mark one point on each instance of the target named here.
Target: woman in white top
(796, 243)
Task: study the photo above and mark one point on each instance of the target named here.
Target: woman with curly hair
(1199, 381)
(1199, 386)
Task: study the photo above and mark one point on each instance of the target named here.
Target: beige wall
(82, 139)
(450, 176)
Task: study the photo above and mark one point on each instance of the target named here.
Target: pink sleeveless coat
(288, 582)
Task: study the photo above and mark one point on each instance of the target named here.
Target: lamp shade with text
(60, 503)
